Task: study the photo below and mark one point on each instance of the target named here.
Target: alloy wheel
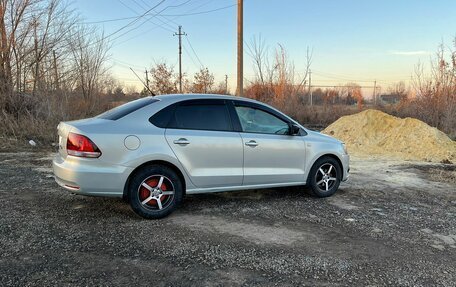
(326, 177)
(156, 192)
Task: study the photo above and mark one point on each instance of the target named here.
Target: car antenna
(146, 86)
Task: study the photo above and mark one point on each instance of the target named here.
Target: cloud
(409, 53)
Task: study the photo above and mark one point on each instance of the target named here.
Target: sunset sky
(352, 40)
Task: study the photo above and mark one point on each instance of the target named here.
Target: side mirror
(293, 129)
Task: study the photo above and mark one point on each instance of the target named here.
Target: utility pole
(375, 92)
(310, 87)
(226, 84)
(180, 34)
(142, 82)
(147, 79)
(240, 49)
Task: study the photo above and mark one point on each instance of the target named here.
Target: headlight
(345, 148)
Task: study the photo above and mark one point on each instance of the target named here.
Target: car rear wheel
(155, 191)
(324, 177)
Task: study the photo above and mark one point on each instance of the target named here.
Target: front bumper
(90, 176)
(346, 166)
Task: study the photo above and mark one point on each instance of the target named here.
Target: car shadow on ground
(109, 207)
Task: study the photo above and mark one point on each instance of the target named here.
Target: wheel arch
(154, 162)
(331, 155)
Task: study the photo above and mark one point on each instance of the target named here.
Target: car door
(201, 136)
(271, 155)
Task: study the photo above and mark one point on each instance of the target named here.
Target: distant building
(390, 99)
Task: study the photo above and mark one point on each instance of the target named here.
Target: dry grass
(38, 119)
(439, 173)
(28, 127)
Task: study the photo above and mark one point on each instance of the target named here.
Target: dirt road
(392, 223)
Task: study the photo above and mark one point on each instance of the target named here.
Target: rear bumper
(90, 176)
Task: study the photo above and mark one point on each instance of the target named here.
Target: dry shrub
(28, 127)
(37, 118)
(415, 108)
(316, 116)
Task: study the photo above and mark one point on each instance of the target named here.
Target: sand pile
(372, 132)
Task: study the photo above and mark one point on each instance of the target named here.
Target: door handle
(181, 141)
(251, 143)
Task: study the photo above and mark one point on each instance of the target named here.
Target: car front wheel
(155, 191)
(324, 177)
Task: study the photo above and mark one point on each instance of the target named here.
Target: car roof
(171, 98)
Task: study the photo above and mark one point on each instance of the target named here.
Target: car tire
(155, 191)
(324, 177)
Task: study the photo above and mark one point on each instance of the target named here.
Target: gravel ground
(390, 224)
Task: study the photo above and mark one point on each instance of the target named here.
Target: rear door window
(201, 115)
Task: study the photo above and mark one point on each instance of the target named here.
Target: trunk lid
(80, 126)
(63, 129)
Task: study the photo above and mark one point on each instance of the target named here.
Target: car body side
(109, 174)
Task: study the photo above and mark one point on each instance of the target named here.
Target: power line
(159, 16)
(103, 38)
(142, 82)
(351, 78)
(141, 6)
(164, 15)
(168, 20)
(191, 57)
(199, 60)
(342, 86)
(148, 19)
(147, 5)
(340, 78)
(126, 66)
(136, 19)
(147, 13)
(126, 63)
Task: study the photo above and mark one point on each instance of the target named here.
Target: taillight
(82, 146)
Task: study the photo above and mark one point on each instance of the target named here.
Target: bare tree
(436, 92)
(164, 81)
(275, 74)
(220, 88)
(89, 51)
(203, 81)
(49, 29)
(258, 51)
(399, 90)
(32, 34)
(304, 77)
(50, 67)
(12, 14)
(351, 93)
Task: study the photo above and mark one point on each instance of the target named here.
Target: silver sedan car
(154, 150)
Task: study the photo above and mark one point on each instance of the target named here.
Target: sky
(352, 40)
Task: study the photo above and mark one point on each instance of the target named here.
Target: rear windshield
(125, 109)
